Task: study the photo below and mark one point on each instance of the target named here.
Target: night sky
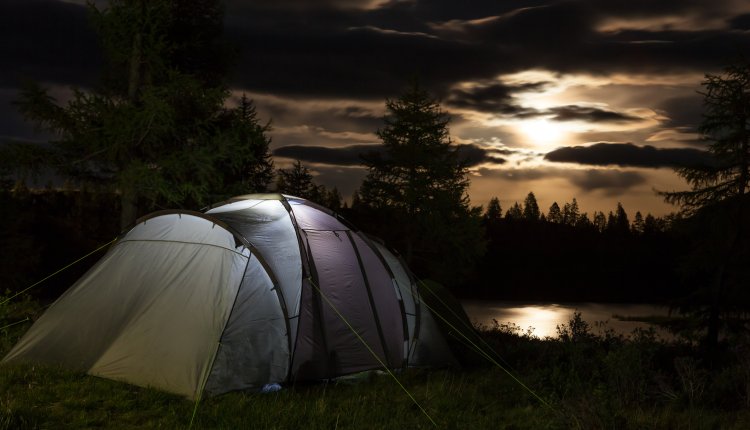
(589, 99)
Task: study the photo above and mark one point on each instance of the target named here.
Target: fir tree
(420, 183)
(638, 223)
(515, 212)
(494, 211)
(155, 130)
(554, 215)
(530, 208)
(717, 199)
(297, 181)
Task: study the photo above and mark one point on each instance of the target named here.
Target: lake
(545, 317)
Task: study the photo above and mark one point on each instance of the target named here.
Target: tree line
(615, 222)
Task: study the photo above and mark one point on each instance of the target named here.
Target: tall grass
(591, 380)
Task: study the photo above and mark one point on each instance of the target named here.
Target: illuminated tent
(261, 289)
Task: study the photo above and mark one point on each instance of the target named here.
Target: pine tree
(530, 208)
(583, 221)
(297, 181)
(420, 184)
(554, 215)
(515, 212)
(570, 213)
(155, 130)
(600, 221)
(247, 163)
(494, 211)
(651, 225)
(718, 198)
(638, 226)
(622, 224)
(726, 126)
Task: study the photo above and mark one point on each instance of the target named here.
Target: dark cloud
(589, 114)
(494, 97)
(346, 179)
(373, 53)
(499, 98)
(340, 156)
(338, 48)
(611, 182)
(475, 155)
(684, 111)
(47, 40)
(351, 155)
(627, 154)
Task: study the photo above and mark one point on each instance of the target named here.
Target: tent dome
(260, 289)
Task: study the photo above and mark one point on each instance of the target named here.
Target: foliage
(298, 181)
(494, 212)
(726, 126)
(531, 208)
(417, 188)
(156, 130)
(717, 203)
(44, 230)
(581, 260)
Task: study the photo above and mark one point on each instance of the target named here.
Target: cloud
(628, 154)
(47, 40)
(589, 114)
(611, 182)
(339, 156)
(350, 155)
(494, 97)
(683, 111)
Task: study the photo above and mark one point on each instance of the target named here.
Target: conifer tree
(155, 130)
(419, 183)
(638, 223)
(717, 200)
(570, 213)
(600, 221)
(531, 208)
(554, 215)
(494, 211)
(297, 181)
(515, 212)
(726, 128)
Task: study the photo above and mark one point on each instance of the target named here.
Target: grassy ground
(590, 381)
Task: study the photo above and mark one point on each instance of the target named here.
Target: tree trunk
(128, 194)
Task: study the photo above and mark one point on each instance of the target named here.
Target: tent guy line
(480, 350)
(348, 324)
(58, 271)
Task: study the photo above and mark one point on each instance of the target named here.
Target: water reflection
(543, 318)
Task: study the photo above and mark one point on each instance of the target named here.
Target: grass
(592, 381)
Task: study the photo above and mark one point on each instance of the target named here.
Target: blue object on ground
(270, 388)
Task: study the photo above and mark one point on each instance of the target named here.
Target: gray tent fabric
(255, 329)
(151, 312)
(267, 225)
(261, 289)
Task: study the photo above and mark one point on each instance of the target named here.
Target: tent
(263, 288)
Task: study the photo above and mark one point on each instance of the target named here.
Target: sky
(594, 100)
